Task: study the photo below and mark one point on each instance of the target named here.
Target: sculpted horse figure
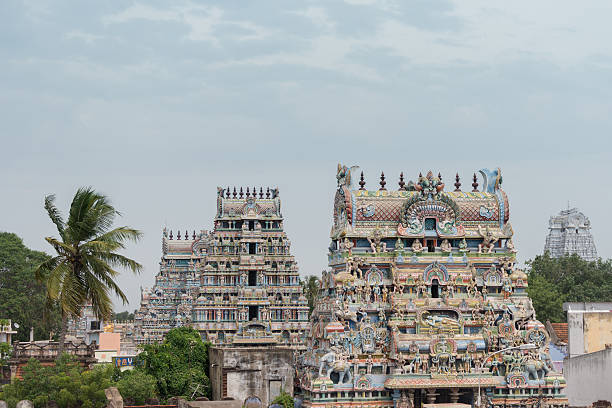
(335, 364)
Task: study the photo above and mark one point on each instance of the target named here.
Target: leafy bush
(284, 399)
(65, 383)
(136, 387)
(179, 364)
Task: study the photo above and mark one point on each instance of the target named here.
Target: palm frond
(61, 248)
(42, 271)
(54, 214)
(117, 260)
(91, 214)
(104, 273)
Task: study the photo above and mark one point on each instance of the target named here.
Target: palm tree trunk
(62, 337)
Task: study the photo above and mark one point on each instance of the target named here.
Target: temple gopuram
(423, 305)
(237, 285)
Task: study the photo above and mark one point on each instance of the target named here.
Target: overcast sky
(157, 104)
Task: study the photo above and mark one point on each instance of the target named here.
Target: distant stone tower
(570, 233)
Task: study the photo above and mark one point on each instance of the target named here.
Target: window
(252, 278)
(252, 248)
(253, 312)
(251, 225)
(430, 224)
(435, 289)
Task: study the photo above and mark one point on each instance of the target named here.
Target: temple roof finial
(475, 184)
(402, 185)
(361, 182)
(382, 181)
(457, 183)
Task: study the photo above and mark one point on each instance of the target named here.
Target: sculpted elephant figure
(338, 365)
(536, 369)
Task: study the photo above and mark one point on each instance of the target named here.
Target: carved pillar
(431, 395)
(454, 395)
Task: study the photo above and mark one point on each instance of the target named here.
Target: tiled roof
(560, 330)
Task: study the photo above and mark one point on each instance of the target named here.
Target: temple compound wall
(237, 285)
(241, 372)
(570, 233)
(423, 304)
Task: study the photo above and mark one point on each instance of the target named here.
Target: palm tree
(84, 269)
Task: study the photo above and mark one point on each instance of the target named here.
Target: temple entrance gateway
(422, 334)
(435, 289)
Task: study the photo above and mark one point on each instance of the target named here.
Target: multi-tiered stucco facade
(237, 285)
(423, 303)
(570, 233)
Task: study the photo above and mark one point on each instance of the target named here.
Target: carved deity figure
(510, 246)
(463, 246)
(421, 287)
(471, 289)
(399, 245)
(348, 245)
(446, 246)
(368, 293)
(376, 243)
(417, 247)
(450, 287)
(385, 293)
(488, 239)
(376, 292)
(507, 287)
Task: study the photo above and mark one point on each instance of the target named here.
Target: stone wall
(589, 377)
(251, 371)
(589, 327)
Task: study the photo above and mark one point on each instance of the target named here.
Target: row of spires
(402, 184)
(178, 235)
(240, 194)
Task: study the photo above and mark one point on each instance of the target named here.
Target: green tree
(22, 299)
(285, 400)
(84, 268)
(136, 387)
(66, 383)
(311, 286)
(179, 364)
(553, 281)
(123, 316)
(5, 354)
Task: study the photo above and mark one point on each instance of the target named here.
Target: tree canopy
(553, 281)
(311, 286)
(71, 386)
(22, 298)
(179, 364)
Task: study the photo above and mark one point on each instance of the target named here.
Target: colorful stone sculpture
(423, 303)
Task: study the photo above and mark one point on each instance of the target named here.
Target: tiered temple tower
(570, 233)
(237, 285)
(423, 303)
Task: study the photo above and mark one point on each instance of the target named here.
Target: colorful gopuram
(423, 303)
(237, 285)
